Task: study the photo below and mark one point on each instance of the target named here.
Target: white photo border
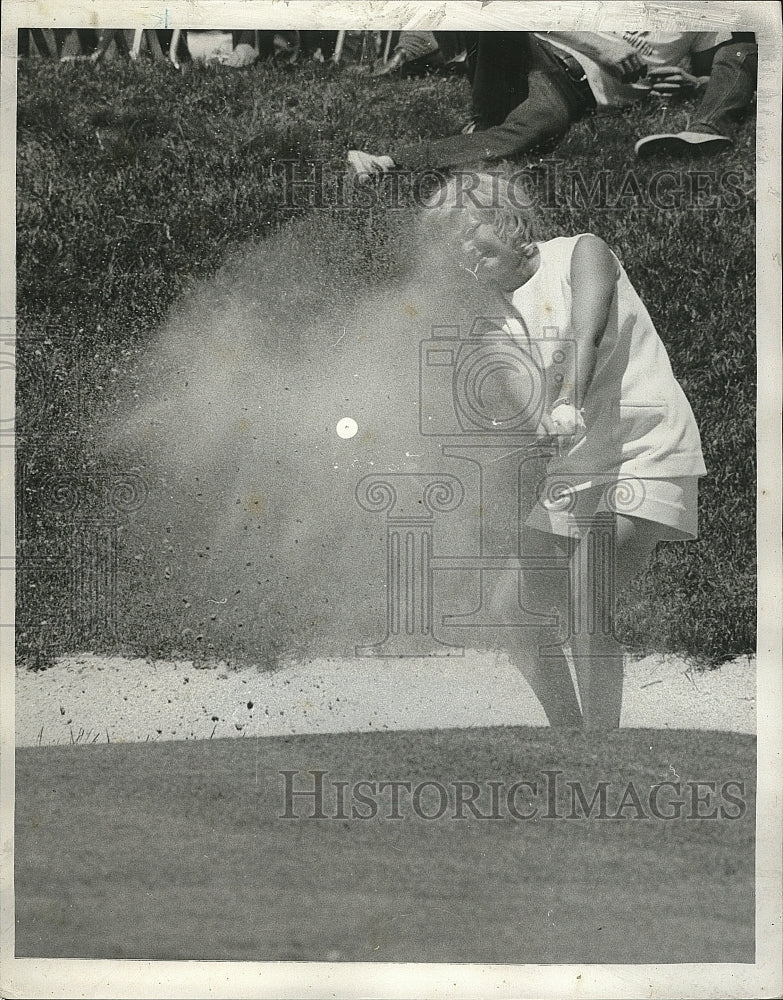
(61, 978)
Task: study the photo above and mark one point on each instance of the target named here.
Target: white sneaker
(365, 166)
(712, 141)
(681, 142)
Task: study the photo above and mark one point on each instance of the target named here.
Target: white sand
(88, 698)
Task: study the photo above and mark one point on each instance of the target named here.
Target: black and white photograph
(391, 499)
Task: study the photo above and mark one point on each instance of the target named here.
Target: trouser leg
(451, 43)
(416, 44)
(500, 63)
(553, 101)
(730, 89)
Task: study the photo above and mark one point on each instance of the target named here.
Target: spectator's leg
(105, 37)
(500, 62)
(286, 46)
(60, 36)
(155, 41)
(416, 44)
(544, 116)
(174, 45)
(312, 41)
(121, 42)
(88, 40)
(243, 38)
(730, 89)
(415, 51)
(453, 46)
(554, 101)
(328, 42)
(728, 95)
(45, 42)
(471, 53)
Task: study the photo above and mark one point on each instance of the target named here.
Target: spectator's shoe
(241, 56)
(474, 125)
(433, 62)
(394, 65)
(681, 143)
(365, 166)
(285, 50)
(458, 64)
(401, 64)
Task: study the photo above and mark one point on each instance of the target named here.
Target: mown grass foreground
(136, 186)
(179, 851)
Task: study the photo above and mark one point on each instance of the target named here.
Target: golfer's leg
(635, 542)
(598, 656)
(537, 652)
(548, 675)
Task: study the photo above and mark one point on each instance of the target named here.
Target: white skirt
(566, 503)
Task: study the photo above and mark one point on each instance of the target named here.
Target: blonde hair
(470, 199)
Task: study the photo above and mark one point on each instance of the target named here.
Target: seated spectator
(353, 47)
(656, 49)
(226, 48)
(318, 45)
(40, 40)
(726, 96)
(75, 43)
(243, 48)
(285, 47)
(65, 44)
(416, 52)
(528, 89)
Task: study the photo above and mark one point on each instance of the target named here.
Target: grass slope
(178, 851)
(136, 183)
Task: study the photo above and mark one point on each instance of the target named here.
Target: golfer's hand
(564, 426)
(670, 80)
(621, 60)
(546, 427)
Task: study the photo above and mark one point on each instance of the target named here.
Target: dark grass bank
(137, 185)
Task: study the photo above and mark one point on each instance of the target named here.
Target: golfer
(628, 444)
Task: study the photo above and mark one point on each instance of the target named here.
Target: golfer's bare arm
(594, 274)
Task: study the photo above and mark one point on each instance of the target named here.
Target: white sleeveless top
(639, 421)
